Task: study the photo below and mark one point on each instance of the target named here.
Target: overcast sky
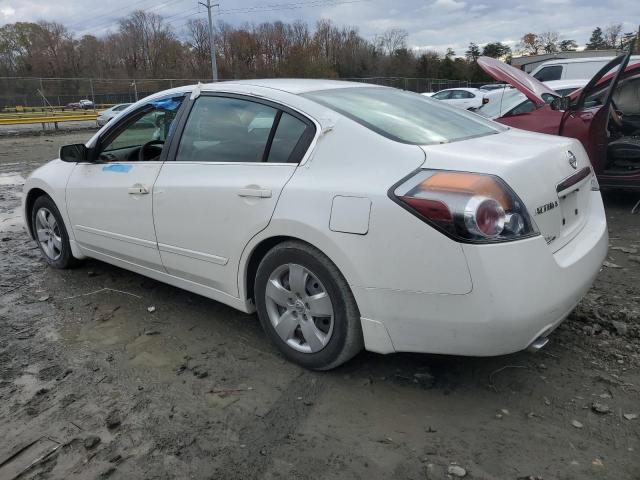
(434, 24)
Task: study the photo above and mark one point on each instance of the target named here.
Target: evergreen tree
(597, 41)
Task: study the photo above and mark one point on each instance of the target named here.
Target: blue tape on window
(117, 168)
(167, 104)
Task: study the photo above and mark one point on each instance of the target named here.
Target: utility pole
(135, 89)
(212, 47)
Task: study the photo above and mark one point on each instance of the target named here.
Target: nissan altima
(347, 215)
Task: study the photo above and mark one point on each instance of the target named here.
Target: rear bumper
(521, 291)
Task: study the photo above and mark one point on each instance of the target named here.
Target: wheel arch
(32, 195)
(259, 246)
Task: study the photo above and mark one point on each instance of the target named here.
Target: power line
(104, 25)
(104, 15)
(279, 7)
(231, 11)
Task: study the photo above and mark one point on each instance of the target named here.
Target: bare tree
(612, 35)
(198, 45)
(549, 41)
(530, 44)
(392, 40)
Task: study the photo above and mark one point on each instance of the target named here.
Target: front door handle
(138, 190)
(254, 192)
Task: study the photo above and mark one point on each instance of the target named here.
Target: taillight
(469, 207)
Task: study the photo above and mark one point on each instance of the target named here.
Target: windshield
(403, 116)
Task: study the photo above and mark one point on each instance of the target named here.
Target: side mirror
(561, 103)
(74, 153)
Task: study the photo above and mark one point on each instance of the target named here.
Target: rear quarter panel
(399, 251)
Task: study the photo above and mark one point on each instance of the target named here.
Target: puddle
(11, 178)
(11, 221)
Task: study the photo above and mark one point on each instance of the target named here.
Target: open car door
(532, 88)
(588, 121)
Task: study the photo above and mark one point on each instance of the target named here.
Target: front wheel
(306, 307)
(51, 234)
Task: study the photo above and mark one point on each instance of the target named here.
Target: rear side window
(289, 134)
(548, 74)
(403, 116)
(221, 129)
(461, 94)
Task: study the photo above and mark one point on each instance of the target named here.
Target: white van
(569, 69)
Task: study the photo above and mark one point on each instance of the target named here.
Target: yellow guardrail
(49, 114)
(49, 119)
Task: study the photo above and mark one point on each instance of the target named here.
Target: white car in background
(348, 215)
(571, 68)
(509, 101)
(466, 98)
(107, 115)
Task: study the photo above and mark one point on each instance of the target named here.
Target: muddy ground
(93, 385)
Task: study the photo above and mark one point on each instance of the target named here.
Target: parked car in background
(106, 115)
(604, 116)
(571, 69)
(239, 191)
(509, 101)
(493, 86)
(83, 104)
(466, 98)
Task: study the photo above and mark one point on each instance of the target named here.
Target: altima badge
(573, 161)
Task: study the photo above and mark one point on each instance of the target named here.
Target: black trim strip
(272, 133)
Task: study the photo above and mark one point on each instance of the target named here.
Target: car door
(109, 199)
(587, 118)
(221, 182)
(457, 98)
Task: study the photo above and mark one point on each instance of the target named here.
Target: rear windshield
(403, 116)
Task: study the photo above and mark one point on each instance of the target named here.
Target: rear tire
(51, 234)
(306, 307)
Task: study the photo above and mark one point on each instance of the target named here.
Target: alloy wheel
(48, 234)
(299, 308)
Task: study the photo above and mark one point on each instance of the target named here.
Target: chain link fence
(19, 94)
(418, 85)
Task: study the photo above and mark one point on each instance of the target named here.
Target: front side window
(151, 125)
(442, 95)
(548, 74)
(403, 116)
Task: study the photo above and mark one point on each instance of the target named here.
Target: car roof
(573, 83)
(291, 85)
(459, 88)
(582, 60)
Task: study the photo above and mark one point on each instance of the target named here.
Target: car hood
(500, 71)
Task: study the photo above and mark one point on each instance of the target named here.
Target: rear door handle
(254, 192)
(138, 190)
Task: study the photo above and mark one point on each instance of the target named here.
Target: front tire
(50, 233)
(306, 307)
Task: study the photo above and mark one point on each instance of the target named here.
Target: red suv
(604, 116)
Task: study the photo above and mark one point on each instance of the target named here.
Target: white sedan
(348, 215)
(508, 101)
(466, 98)
(109, 114)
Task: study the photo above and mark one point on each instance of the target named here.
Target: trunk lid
(550, 174)
(533, 89)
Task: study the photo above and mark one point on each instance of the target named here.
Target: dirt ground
(93, 385)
